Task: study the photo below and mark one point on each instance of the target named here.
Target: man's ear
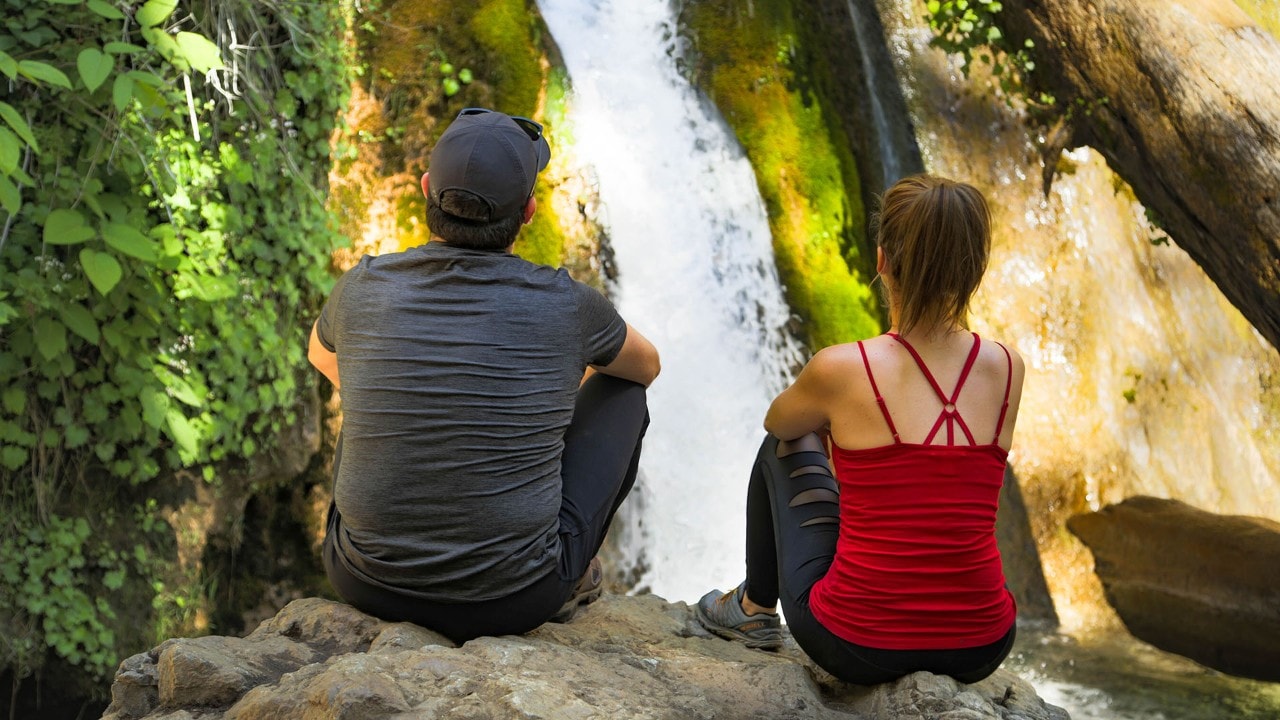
(879, 250)
(529, 208)
(425, 185)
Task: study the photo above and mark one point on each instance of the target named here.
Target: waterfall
(696, 276)
(895, 160)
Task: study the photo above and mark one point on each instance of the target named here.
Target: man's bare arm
(325, 360)
(637, 361)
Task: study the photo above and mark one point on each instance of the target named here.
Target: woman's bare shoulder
(846, 358)
(998, 362)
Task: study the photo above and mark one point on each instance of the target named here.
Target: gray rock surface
(621, 657)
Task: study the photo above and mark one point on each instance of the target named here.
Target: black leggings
(598, 469)
(793, 509)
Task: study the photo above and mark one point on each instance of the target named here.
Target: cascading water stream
(696, 276)
(895, 162)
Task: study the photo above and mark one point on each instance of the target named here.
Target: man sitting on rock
(477, 471)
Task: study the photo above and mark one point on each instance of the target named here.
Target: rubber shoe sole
(760, 641)
(761, 631)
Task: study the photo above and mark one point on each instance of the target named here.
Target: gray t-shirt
(459, 370)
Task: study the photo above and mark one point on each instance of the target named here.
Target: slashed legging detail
(793, 509)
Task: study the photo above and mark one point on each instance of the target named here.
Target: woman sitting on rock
(896, 570)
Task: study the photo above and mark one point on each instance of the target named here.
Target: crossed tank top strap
(884, 410)
(949, 416)
(1008, 385)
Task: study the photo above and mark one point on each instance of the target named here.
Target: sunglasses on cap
(531, 128)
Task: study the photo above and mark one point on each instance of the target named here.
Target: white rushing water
(696, 276)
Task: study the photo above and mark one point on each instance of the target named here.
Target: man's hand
(637, 361)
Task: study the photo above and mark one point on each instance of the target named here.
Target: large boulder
(622, 657)
(1201, 585)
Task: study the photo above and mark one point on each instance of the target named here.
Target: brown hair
(936, 235)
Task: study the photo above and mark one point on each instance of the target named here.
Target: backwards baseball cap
(489, 156)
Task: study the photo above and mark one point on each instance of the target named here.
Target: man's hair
(936, 236)
(494, 235)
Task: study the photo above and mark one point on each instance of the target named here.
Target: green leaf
(76, 436)
(155, 12)
(105, 9)
(51, 337)
(13, 457)
(147, 78)
(180, 389)
(164, 44)
(94, 66)
(8, 65)
(122, 92)
(44, 72)
(199, 51)
(465, 76)
(121, 48)
(103, 270)
(15, 399)
(80, 320)
(182, 432)
(212, 288)
(114, 579)
(10, 196)
(66, 226)
(10, 152)
(130, 241)
(15, 121)
(154, 406)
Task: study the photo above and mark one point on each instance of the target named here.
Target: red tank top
(917, 566)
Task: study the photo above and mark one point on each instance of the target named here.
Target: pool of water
(1112, 676)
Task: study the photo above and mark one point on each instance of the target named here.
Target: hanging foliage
(163, 248)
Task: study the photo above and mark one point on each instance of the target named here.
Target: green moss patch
(747, 62)
(1264, 12)
(410, 49)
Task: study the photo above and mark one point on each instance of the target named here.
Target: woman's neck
(926, 333)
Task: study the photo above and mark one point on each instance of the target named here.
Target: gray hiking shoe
(588, 590)
(722, 614)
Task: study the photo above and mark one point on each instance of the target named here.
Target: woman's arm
(804, 407)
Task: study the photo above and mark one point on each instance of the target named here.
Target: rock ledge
(622, 657)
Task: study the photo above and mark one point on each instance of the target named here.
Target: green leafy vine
(163, 247)
(968, 28)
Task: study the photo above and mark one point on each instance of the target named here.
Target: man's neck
(510, 249)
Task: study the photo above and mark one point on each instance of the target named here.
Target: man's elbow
(653, 368)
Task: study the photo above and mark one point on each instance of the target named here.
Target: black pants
(598, 469)
(792, 525)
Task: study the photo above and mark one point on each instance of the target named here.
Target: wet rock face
(1176, 107)
(1191, 582)
(622, 657)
